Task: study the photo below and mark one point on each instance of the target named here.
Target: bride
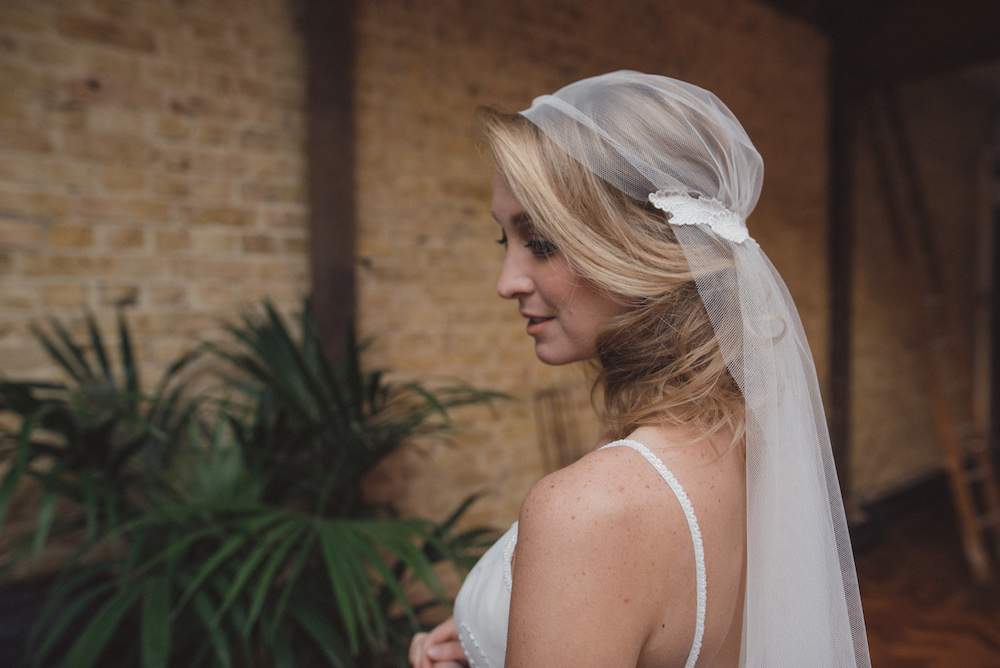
(708, 529)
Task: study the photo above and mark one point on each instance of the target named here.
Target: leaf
(433, 402)
(220, 583)
(74, 365)
(98, 347)
(111, 521)
(397, 537)
(319, 628)
(46, 513)
(281, 651)
(389, 579)
(354, 379)
(128, 359)
(13, 477)
(96, 634)
(267, 576)
(450, 521)
(19, 396)
(344, 585)
(248, 567)
(205, 610)
(65, 602)
(229, 546)
(174, 550)
(90, 506)
(156, 624)
(305, 549)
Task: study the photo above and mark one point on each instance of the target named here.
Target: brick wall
(428, 261)
(150, 158)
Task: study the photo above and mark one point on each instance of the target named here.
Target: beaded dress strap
(701, 579)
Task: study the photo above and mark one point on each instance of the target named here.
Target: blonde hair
(660, 362)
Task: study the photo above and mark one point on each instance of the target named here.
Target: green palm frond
(238, 530)
(90, 440)
(257, 567)
(307, 410)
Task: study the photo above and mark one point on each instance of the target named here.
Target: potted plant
(249, 540)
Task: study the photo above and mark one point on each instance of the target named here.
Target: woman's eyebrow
(521, 219)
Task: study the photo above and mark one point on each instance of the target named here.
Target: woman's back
(605, 566)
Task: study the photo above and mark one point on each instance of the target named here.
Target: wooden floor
(921, 607)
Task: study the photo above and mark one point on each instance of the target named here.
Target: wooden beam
(994, 297)
(840, 247)
(328, 29)
(886, 43)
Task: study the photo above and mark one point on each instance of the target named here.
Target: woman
(713, 532)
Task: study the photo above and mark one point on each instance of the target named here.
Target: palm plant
(95, 440)
(318, 431)
(261, 549)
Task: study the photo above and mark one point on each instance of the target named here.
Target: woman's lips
(537, 324)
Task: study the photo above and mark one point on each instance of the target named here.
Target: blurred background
(181, 160)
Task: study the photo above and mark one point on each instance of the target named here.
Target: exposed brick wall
(426, 240)
(150, 157)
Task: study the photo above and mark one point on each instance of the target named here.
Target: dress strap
(699, 547)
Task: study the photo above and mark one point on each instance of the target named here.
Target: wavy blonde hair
(660, 362)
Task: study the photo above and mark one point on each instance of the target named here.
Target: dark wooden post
(842, 137)
(994, 313)
(328, 29)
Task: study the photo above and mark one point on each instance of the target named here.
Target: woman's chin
(556, 357)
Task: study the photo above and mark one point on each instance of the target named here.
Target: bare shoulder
(613, 497)
(611, 482)
(603, 486)
(601, 554)
(607, 499)
(604, 568)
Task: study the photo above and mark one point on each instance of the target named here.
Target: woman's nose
(514, 280)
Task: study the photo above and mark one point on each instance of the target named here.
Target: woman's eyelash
(541, 247)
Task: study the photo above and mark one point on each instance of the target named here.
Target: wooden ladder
(961, 432)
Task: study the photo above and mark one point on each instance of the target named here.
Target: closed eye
(541, 248)
(503, 240)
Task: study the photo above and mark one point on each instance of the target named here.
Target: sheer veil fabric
(679, 147)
